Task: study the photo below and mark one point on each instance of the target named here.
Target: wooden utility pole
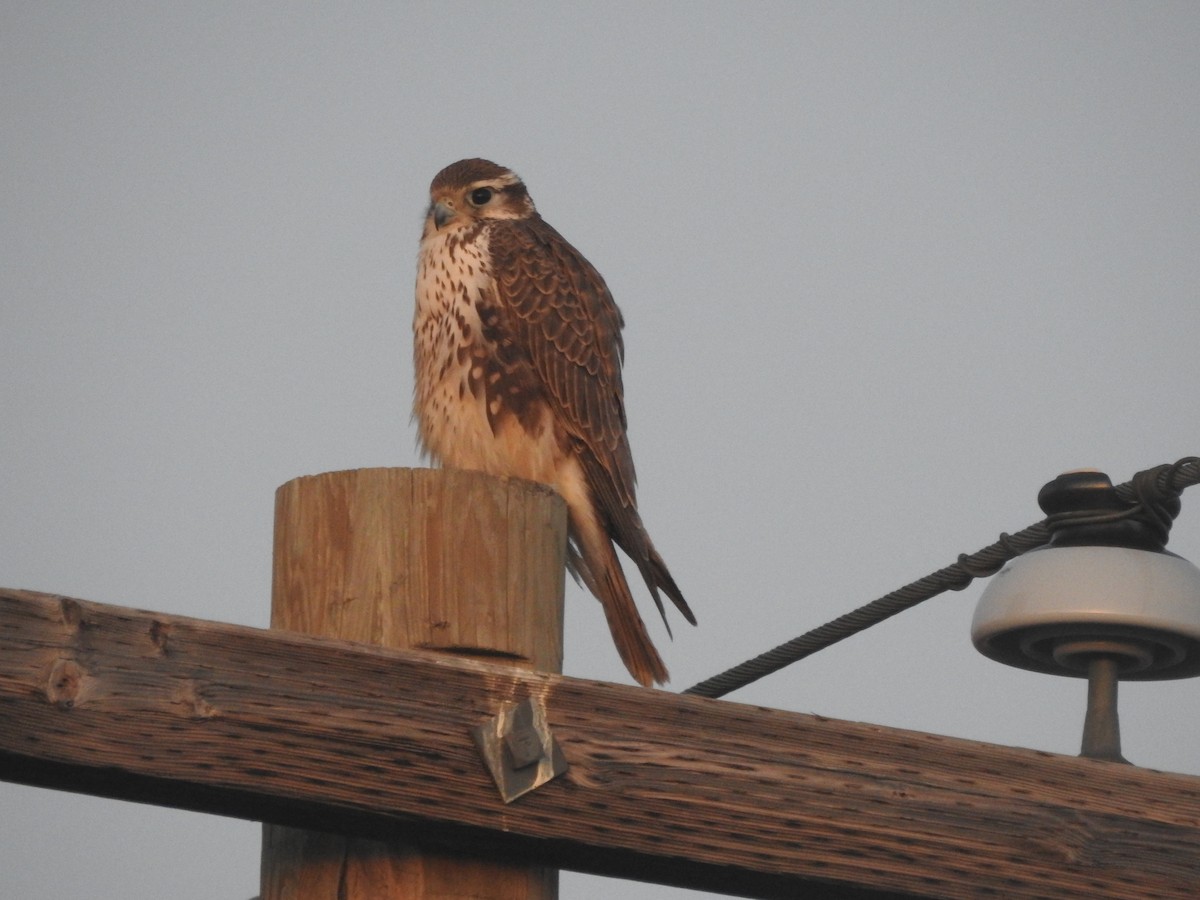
(414, 559)
(318, 733)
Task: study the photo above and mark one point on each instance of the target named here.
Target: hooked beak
(442, 213)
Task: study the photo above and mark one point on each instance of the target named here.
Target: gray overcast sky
(886, 269)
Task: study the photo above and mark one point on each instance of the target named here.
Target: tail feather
(657, 577)
(600, 515)
(596, 563)
(625, 526)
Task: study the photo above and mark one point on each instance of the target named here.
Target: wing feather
(570, 327)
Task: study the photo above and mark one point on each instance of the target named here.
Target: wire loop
(1152, 495)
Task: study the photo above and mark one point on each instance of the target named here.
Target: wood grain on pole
(415, 558)
(327, 734)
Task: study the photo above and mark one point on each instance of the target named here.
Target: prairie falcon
(518, 352)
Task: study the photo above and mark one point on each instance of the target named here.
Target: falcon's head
(474, 189)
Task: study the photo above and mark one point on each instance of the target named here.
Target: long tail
(594, 559)
(655, 573)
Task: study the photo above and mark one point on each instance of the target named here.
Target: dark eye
(480, 196)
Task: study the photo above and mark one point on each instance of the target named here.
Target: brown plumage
(518, 353)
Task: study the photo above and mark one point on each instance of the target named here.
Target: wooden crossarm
(318, 733)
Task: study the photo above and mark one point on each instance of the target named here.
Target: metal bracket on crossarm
(519, 749)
